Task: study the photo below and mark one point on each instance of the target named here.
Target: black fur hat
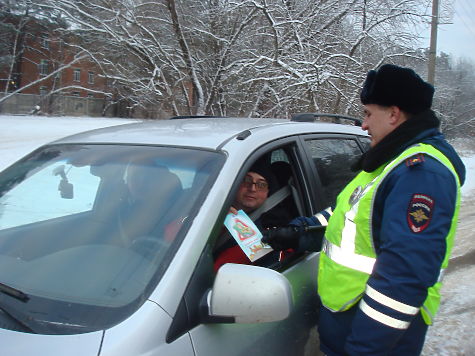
(262, 167)
(399, 86)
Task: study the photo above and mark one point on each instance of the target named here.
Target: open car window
(333, 159)
(283, 204)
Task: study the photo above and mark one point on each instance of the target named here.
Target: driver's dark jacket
(230, 252)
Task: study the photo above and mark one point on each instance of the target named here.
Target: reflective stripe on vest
(348, 257)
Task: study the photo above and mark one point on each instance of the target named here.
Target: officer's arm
(302, 233)
(413, 246)
(319, 219)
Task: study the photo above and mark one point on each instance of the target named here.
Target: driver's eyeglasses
(260, 185)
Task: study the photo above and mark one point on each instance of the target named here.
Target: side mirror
(248, 294)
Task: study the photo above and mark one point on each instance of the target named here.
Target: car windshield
(87, 231)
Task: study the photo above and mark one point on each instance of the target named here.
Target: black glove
(283, 238)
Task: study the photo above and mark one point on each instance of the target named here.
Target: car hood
(18, 343)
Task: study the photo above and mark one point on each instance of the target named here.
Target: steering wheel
(149, 246)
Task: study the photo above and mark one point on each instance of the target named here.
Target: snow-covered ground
(453, 332)
(20, 135)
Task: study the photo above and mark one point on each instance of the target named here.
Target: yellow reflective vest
(348, 254)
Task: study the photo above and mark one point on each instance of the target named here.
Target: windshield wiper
(24, 327)
(19, 295)
(15, 293)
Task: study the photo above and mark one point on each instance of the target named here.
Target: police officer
(389, 237)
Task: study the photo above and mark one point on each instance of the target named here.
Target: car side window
(333, 159)
(365, 142)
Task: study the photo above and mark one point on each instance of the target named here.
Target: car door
(296, 335)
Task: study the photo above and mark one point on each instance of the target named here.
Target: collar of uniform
(411, 131)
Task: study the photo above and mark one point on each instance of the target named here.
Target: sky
(457, 38)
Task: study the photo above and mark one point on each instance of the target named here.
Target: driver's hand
(283, 238)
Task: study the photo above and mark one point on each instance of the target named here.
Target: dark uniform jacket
(408, 262)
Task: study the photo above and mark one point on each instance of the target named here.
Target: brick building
(37, 50)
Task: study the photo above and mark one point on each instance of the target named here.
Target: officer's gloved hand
(283, 238)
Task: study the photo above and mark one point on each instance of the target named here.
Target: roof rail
(193, 117)
(312, 117)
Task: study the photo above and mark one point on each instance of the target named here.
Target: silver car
(107, 239)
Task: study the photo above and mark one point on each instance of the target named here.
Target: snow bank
(468, 189)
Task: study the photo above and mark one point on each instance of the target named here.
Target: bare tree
(323, 49)
(16, 24)
(27, 37)
(241, 57)
(455, 96)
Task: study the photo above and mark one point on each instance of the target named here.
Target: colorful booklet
(247, 235)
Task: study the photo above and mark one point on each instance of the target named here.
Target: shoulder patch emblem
(415, 160)
(419, 212)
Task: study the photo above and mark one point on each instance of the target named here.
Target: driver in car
(258, 184)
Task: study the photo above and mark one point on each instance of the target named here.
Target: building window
(76, 93)
(43, 67)
(44, 41)
(77, 75)
(43, 90)
(90, 96)
(90, 77)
